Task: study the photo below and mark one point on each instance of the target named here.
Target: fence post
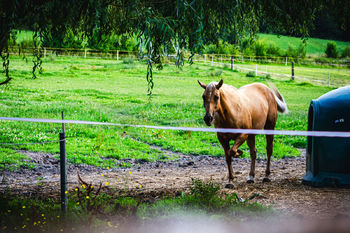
(212, 60)
(231, 62)
(44, 52)
(205, 58)
(292, 70)
(286, 61)
(85, 53)
(256, 70)
(117, 55)
(221, 59)
(64, 196)
(329, 79)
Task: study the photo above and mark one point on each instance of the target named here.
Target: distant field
(314, 46)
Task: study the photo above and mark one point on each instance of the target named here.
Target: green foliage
(299, 52)
(273, 50)
(331, 50)
(260, 48)
(346, 52)
(251, 74)
(221, 48)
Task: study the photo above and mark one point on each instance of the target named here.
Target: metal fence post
(64, 196)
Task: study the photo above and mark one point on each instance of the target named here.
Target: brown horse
(252, 106)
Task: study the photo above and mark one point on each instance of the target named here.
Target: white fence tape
(194, 129)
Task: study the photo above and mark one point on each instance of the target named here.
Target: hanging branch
(37, 53)
(5, 65)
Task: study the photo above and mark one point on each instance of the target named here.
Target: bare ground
(150, 181)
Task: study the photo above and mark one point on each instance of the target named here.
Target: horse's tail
(281, 103)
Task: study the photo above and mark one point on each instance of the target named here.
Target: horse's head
(211, 100)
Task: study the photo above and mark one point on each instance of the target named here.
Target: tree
(183, 24)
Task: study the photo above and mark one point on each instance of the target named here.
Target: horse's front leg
(234, 152)
(226, 145)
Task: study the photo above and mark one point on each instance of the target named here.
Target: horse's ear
(219, 84)
(204, 86)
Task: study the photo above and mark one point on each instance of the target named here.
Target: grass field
(111, 91)
(314, 46)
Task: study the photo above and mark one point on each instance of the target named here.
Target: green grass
(111, 91)
(314, 46)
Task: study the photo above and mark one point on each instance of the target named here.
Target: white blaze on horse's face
(211, 100)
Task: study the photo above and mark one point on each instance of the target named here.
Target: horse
(253, 106)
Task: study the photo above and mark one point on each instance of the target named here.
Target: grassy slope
(314, 46)
(105, 90)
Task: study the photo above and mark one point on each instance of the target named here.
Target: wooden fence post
(63, 161)
(231, 62)
(205, 58)
(292, 70)
(85, 53)
(117, 55)
(44, 52)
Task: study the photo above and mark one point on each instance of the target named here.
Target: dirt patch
(150, 181)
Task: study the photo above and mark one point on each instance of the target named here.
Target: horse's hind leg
(252, 150)
(269, 150)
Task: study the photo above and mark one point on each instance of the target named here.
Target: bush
(251, 74)
(273, 50)
(267, 76)
(260, 49)
(299, 52)
(346, 52)
(221, 48)
(331, 50)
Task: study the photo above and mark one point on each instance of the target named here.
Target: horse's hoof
(266, 180)
(237, 154)
(250, 181)
(229, 186)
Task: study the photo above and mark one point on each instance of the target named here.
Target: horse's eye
(216, 98)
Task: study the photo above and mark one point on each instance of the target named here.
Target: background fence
(325, 72)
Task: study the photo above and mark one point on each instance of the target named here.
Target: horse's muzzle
(208, 119)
